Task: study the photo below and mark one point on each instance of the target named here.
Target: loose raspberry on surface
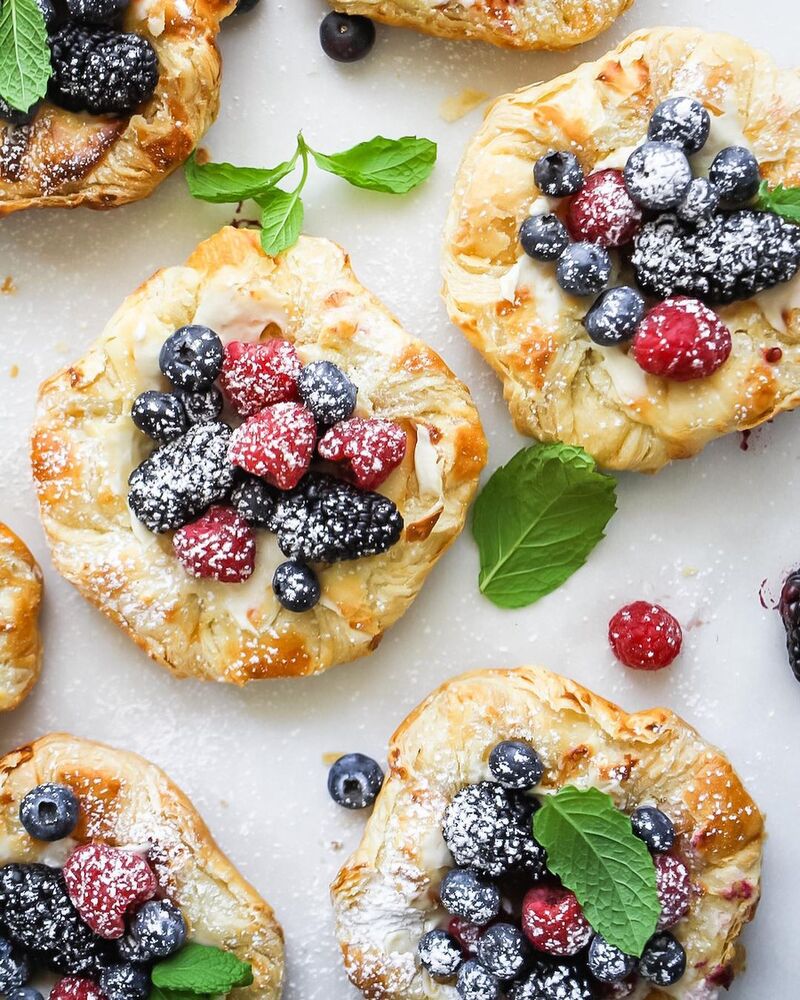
(681, 339)
(674, 890)
(645, 636)
(277, 444)
(104, 882)
(371, 448)
(258, 375)
(603, 212)
(76, 988)
(553, 921)
(220, 545)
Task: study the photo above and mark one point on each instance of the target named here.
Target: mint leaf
(537, 520)
(281, 220)
(780, 200)
(24, 54)
(393, 166)
(220, 183)
(200, 969)
(591, 847)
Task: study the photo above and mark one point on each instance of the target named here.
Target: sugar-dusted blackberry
(36, 914)
(201, 405)
(554, 982)
(328, 520)
(734, 255)
(101, 70)
(789, 608)
(96, 11)
(182, 479)
(15, 967)
(256, 501)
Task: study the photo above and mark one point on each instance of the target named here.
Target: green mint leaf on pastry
(780, 200)
(536, 521)
(393, 166)
(281, 220)
(200, 969)
(24, 54)
(221, 183)
(592, 848)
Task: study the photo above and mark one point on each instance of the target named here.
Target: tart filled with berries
(532, 841)
(111, 887)
(255, 467)
(133, 86)
(616, 249)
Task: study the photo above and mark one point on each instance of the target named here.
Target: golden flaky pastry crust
(64, 159)
(515, 24)
(385, 897)
(20, 641)
(560, 386)
(128, 802)
(85, 445)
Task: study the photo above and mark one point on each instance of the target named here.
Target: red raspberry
(76, 988)
(220, 545)
(258, 375)
(681, 339)
(465, 933)
(276, 444)
(104, 882)
(674, 889)
(370, 448)
(553, 921)
(645, 636)
(603, 212)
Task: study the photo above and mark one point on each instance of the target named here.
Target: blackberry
(96, 11)
(328, 520)
(36, 914)
(15, 967)
(256, 501)
(733, 256)
(789, 608)
(202, 405)
(100, 70)
(554, 982)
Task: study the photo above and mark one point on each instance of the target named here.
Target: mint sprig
(591, 847)
(391, 166)
(780, 200)
(24, 54)
(199, 970)
(537, 520)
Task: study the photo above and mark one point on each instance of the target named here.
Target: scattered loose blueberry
(657, 175)
(476, 983)
(583, 269)
(543, 237)
(663, 962)
(160, 415)
(614, 316)
(49, 812)
(682, 121)
(125, 982)
(159, 928)
(296, 586)
(735, 174)
(558, 174)
(192, 357)
(503, 950)
(201, 406)
(608, 964)
(516, 765)
(354, 781)
(468, 894)
(699, 203)
(346, 37)
(15, 967)
(327, 392)
(439, 954)
(654, 828)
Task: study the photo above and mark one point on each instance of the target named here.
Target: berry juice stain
(744, 443)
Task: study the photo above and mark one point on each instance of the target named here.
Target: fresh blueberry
(354, 781)
(256, 501)
(516, 765)
(125, 981)
(558, 174)
(543, 237)
(503, 950)
(467, 894)
(608, 964)
(583, 269)
(614, 316)
(476, 983)
(160, 415)
(296, 586)
(132, 950)
(735, 174)
(23, 993)
(654, 828)
(201, 406)
(700, 201)
(159, 928)
(327, 392)
(49, 812)
(192, 357)
(346, 37)
(48, 13)
(663, 962)
(657, 175)
(15, 967)
(439, 954)
(681, 121)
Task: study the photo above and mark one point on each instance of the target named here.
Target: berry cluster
(685, 250)
(214, 485)
(97, 921)
(512, 929)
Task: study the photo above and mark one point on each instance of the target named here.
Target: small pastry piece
(136, 879)
(20, 641)
(442, 804)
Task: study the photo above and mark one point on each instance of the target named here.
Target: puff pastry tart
(285, 533)
(450, 894)
(527, 24)
(135, 85)
(611, 252)
(20, 641)
(110, 879)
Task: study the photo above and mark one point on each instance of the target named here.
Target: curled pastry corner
(20, 640)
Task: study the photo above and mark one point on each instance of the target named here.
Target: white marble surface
(701, 536)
